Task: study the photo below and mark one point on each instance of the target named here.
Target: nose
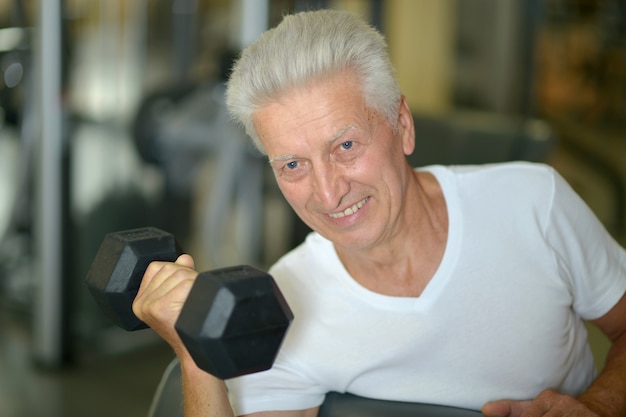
(329, 185)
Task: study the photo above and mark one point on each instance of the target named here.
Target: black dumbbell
(233, 321)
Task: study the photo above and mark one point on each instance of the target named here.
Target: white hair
(305, 47)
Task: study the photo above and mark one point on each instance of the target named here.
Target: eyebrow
(282, 158)
(339, 135)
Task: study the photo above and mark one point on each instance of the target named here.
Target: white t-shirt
(525, 260)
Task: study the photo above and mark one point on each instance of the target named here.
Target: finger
(186, 260)
(550, 403)
(158, 272)
(168, 276)
(158, 280)
(162, 302)
(505, 408)
(165, 302)
(152, 272)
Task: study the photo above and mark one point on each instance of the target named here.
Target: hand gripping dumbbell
(233, 321)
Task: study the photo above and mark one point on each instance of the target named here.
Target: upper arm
(613, 323)
(310, 412)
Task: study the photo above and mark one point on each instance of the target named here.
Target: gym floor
(121, 385)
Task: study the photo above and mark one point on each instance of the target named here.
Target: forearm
(203, 394)
(607, 395)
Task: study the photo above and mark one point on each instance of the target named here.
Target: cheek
(293, 193)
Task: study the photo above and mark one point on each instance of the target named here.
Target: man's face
(339, 164)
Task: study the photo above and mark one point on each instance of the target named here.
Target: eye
(292, 171)
(348, 151)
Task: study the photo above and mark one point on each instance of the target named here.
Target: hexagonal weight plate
(234, 321)
(116, 272)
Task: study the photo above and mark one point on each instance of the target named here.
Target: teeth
(349, 210)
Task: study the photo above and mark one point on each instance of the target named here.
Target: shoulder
(306, 265)
(506, 172)
(308, 252)
(512, 182)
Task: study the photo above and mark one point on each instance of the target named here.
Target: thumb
(185, 260)
(504, 408)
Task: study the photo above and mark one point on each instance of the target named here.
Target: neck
(404, 264)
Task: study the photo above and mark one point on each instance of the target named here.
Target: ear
(406, 129)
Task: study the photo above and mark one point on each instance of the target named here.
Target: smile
(350, 210)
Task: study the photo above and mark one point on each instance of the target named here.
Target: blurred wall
(421, 44)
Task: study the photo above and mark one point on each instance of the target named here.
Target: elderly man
(462, 286)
